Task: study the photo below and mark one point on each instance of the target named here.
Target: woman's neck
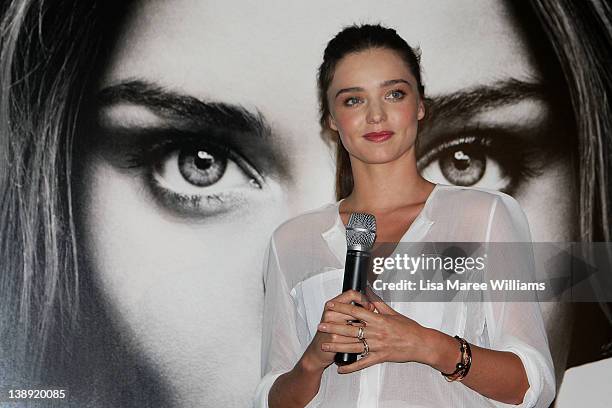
(388, 186)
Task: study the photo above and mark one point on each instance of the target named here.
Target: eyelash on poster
(515, 156)
(148, 155)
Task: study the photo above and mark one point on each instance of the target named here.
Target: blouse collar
(335, 236)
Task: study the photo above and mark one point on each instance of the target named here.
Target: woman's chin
(381, 156)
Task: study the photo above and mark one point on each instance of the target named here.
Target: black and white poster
(131, 278)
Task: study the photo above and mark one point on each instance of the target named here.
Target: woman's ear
(421, 109)
(332, 123)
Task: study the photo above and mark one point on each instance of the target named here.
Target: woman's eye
(202, 170)
(396, 94)
(352, 101)
(197, 179)
(479, 162)
(200, 167)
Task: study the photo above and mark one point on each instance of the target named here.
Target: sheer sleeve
(515, 324)
(281, 348)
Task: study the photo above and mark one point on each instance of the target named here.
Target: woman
(110, 280)
(371, 94)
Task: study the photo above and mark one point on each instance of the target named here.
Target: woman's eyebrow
(513, 105)
(394, 81)
(381, 85)
(467, 104)
(186, 114)
(184, 108)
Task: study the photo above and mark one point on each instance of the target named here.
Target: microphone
(360, 237)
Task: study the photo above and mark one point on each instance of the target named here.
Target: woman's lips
(379, 136)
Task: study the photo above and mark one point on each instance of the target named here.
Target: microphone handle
(355, 276)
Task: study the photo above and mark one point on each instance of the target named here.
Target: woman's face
(208, 138)
(375, 105)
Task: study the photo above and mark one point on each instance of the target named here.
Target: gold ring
(360, 333)
(366, 348)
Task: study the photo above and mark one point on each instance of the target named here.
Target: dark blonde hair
(45, 52)
(353, 39)
(54, 327)
(581, 38)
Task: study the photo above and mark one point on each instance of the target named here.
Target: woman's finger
(356, 348)
(331, 316)
(378, 303)
(356, 312)
(342, 329)
(364, 362)
(353, 296)
(338, 338)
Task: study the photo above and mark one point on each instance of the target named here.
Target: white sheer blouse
(304, 268)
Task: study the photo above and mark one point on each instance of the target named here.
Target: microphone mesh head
(361, 232)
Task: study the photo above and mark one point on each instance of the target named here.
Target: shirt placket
(369, 387)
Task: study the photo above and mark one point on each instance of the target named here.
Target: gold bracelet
(463, 366)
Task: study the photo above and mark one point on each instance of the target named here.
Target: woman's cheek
(404, 114)
(348, 120)
(183, 292)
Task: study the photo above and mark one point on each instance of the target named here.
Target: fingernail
(330, 304)
(325, 347)
(322, 327)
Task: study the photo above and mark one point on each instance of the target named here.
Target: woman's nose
(376, 113)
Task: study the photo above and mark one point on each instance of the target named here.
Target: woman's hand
(390, 335)
(315, 356)
(297, 387)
